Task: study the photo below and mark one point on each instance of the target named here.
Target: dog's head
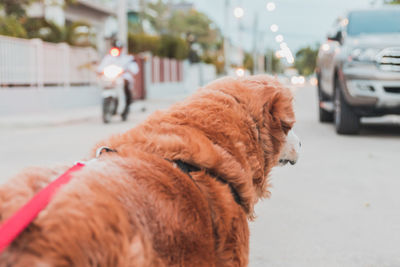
(237, 128)
(270, 107)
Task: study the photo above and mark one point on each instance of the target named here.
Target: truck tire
(346, 120)
(324, 115)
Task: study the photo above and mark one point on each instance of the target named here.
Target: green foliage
(134, 24)
(16, 24)
(248, 62)
(216, 59)
(273, 63)
(47, 31)
(15, 7)
(138, 43)
(135, 28)
(11, 26)
(173, 47)
(78, 34)
(276, 64)
(193, 25)
(158, 15)
(196, 27)
(306, 59)
(163, 46)
(393, 2)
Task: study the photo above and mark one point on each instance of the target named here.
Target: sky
(301, 22)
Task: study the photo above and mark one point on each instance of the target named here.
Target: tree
(393, 2)
(11, 26)
(248, 62)
(196, 27)
(272, 62)
(47, 31)
(193, 26)
(15, 7)
(158, 15)
(183, 34)
(163, 46)
(306, 59)
(78, 33)
(138, 43)
(17, 24)
(203, 37)
(217, 59)
(173, 47)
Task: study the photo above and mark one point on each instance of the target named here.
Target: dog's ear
(279, 109)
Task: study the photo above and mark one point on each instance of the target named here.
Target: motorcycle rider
(130, 67)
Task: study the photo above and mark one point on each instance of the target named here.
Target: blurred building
(99, 14)
(185, 7)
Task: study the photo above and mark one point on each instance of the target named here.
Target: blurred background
(71, 70)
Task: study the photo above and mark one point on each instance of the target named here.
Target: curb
(59, 117)
(77, 115)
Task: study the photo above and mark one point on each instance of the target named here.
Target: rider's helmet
(116, 50)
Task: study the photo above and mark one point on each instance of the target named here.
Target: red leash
(12, 227)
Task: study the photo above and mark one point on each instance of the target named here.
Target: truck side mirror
(335, 37)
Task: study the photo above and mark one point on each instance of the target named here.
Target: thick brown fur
(136, 208)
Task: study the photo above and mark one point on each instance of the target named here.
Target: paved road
(339, 206)
(22, 146)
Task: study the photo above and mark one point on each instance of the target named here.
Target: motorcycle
(116, 80)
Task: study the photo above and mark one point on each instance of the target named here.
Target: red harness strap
(12, 227)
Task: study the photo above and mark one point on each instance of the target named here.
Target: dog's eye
(286, 127)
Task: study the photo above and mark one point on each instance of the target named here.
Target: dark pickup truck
(358, 68)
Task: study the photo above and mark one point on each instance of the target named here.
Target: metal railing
(35, 63)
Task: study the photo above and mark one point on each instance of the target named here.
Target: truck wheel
(346, 121)
(324, 115)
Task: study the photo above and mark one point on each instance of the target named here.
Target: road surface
(338, 206)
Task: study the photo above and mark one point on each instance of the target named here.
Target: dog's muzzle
(283, 162)
(290, 151)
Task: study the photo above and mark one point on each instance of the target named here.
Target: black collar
(188, 168)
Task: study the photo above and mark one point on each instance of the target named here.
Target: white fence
(36, 63)
(167, 78)
(199, 74)
(165, 70)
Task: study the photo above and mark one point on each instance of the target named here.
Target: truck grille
(389, 59)
(394, 90)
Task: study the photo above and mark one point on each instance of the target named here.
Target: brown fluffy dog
(135, 207)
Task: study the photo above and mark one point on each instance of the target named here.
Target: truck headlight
(364, 54)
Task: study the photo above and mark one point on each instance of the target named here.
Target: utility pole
(226, 39)
(255, 45)
(270, 56)
(122, 22)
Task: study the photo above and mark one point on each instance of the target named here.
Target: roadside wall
(37, 76)
(15, 101)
